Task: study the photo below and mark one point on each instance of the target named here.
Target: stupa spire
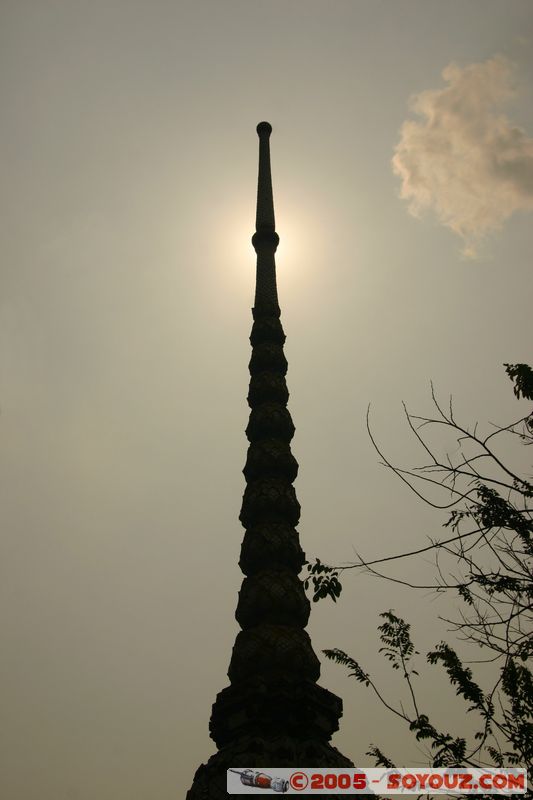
(273, 713)
(265, 239)
(264, 218)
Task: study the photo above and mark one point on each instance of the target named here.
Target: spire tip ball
(264, 128)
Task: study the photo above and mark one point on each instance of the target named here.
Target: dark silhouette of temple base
(273, 713)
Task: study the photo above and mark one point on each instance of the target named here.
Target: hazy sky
(129, 168)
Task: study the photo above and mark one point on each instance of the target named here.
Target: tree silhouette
(488, 563)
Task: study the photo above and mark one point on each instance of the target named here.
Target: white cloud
(464, 159)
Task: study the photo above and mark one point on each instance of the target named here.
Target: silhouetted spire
(265, 239)
(264, 219)
(273, 714)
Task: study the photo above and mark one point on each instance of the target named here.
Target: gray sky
(129, 164)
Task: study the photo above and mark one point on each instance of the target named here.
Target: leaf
(380, 759)
(522, 375)
(459, 675)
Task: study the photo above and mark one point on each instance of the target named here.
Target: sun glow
(301, 246)
(303, 267)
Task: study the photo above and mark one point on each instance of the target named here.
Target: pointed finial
(265, 236)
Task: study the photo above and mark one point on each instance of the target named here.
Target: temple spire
(265, 239)
(264, 219)
(273, 713)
